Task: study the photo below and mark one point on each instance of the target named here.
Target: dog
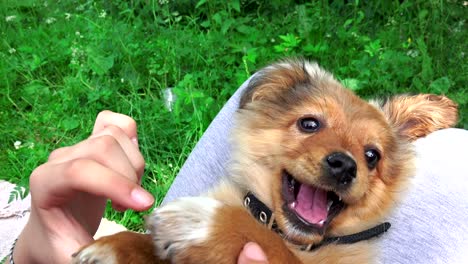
(315, 171)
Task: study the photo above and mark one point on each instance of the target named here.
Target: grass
(61, 62)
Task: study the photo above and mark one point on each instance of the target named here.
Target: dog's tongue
(311, 204)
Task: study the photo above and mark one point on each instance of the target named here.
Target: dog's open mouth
(308, 207)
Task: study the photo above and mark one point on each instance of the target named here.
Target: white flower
(459, 27)
(412, 53)
(67, 16)
(17, 144)
(102, 14)
(10, 18)
(50, 20)
(12, 50)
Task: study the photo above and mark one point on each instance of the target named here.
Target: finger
(89, 176)
(252, 253)
(118, 207)
(104, 149)
(131, 150)
(126, 123)
(58, 153)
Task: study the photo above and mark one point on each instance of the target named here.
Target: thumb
(252, 253)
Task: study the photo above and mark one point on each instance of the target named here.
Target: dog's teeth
(322, 222)
(329, 205)
(339, 198)
(292, 205)
(291, 184)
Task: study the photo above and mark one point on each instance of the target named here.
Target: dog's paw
(96, 253)
(181, 224)
(123, 247)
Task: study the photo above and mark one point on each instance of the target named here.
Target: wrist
(20, 252)
(9, 258)
(38, 244)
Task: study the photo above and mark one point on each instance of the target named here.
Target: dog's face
(326, 161)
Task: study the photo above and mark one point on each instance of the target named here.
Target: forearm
(34, 245)
(18, 252)
(23, 251)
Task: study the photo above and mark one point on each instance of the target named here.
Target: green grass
(61, 62)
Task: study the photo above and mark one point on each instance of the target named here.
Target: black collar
(262, 213)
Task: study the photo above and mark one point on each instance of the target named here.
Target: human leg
(207, 162)
(429, 225)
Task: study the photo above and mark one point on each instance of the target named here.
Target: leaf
(17, 193)
(426, 72)
(245, 29)
(205, 24)
(416, 82)
(314, 49)
(251, 55)
(372, 48)
(99, 94)
(197, 94)
(70, 124)
(200, 3)
(423, 14)
(35, 62)
(235, 5)
(26, 49)
(441, 85)
(288, 38)
(353, 84)
(13, 196)
(226, 25)
(100, 64)
(347, 22)
(217, 18)
(34, 90)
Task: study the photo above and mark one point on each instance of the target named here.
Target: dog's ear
(418, 115)
(276, 82)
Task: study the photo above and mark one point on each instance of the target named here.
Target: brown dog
(315, 171)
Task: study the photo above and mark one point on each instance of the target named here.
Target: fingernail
(253, 252)
(135, 141)
(142, 197)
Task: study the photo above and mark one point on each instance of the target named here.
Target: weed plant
(61, 62)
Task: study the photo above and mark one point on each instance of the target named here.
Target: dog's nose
(341, 167)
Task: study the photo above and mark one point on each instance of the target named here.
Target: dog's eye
(372, 157)
(308, 124)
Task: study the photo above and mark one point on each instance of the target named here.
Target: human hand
(252, 254)
(69, 191)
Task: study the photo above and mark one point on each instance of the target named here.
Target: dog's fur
(271, 145)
